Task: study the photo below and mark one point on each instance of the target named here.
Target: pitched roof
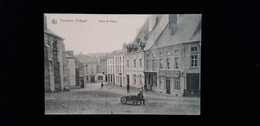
(52, 33)
(157, 30)
(187, 25)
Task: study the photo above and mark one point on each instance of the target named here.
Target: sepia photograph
(130, 64)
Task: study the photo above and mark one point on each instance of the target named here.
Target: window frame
(177, 62)
(177, 85)
(191, 61)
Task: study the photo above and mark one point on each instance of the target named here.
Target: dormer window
(138, 40)
(145, 37)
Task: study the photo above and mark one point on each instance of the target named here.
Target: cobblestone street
(93, 100)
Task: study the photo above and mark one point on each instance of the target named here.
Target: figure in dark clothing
(128, 88)
(145, 87)
(102, 85)
(141, 98)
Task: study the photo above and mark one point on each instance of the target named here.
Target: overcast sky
(91, 35)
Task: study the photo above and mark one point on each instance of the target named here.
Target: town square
(122, 64)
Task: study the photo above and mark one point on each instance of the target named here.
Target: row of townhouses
(61, 69)
(95, 67)
(164, 57)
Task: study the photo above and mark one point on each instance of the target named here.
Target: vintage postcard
(148, 64)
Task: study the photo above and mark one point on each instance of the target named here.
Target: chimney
(70, 52)
(173, 23)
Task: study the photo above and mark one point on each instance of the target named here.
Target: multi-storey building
(172, 55)
(72, 68)
(134, 57)
(110, 70)
(80, 73)
(119, 67)
(101, 75)
(55, 64)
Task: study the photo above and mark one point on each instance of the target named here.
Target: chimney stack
(70, 52)
(173, 23)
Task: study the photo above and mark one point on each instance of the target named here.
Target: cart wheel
(123, 100)
(134, 102)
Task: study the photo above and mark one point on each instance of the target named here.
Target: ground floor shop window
(177, 84)
(100, 77)
(161, 82)
(134, 79)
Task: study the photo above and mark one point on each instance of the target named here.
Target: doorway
(92, 79)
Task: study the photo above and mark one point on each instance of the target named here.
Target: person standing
(102, 85)
(128, 88)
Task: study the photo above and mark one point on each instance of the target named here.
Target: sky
(95, 33)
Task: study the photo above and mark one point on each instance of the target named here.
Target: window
(140, 61)
(168, 53)
(140, 80)
(154, 65)
(147, 64)
(134, 79)
(194, 60)
(167, 63)
(177, 51)
(127, 63)
(177, 84)
(161, 82)
(176, 62)
(194, 49)
(123, 69)
(154, 55)
(92, 71)
(160, 54)
(87, 77)
(134, 63)
(161, 63)
(147, 55)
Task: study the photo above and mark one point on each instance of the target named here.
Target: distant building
(110, 70)
(80, 74)
(119, 68)
(101, 75)
(55, 65)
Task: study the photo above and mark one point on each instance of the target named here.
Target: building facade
(110, 70)
(101, 75)
(173, 55)
(135, 58)
(119, 68)
(55, 64)
(80, 74)
(91, 70)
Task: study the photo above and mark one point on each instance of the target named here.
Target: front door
(127, 80)
(82, 83)
(192, 85)
(92, 79)
(168, 91)
(193, 81)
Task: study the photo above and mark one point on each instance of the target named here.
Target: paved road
(93, 100)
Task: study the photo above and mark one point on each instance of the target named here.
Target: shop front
(170, 81)
(150, 80)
